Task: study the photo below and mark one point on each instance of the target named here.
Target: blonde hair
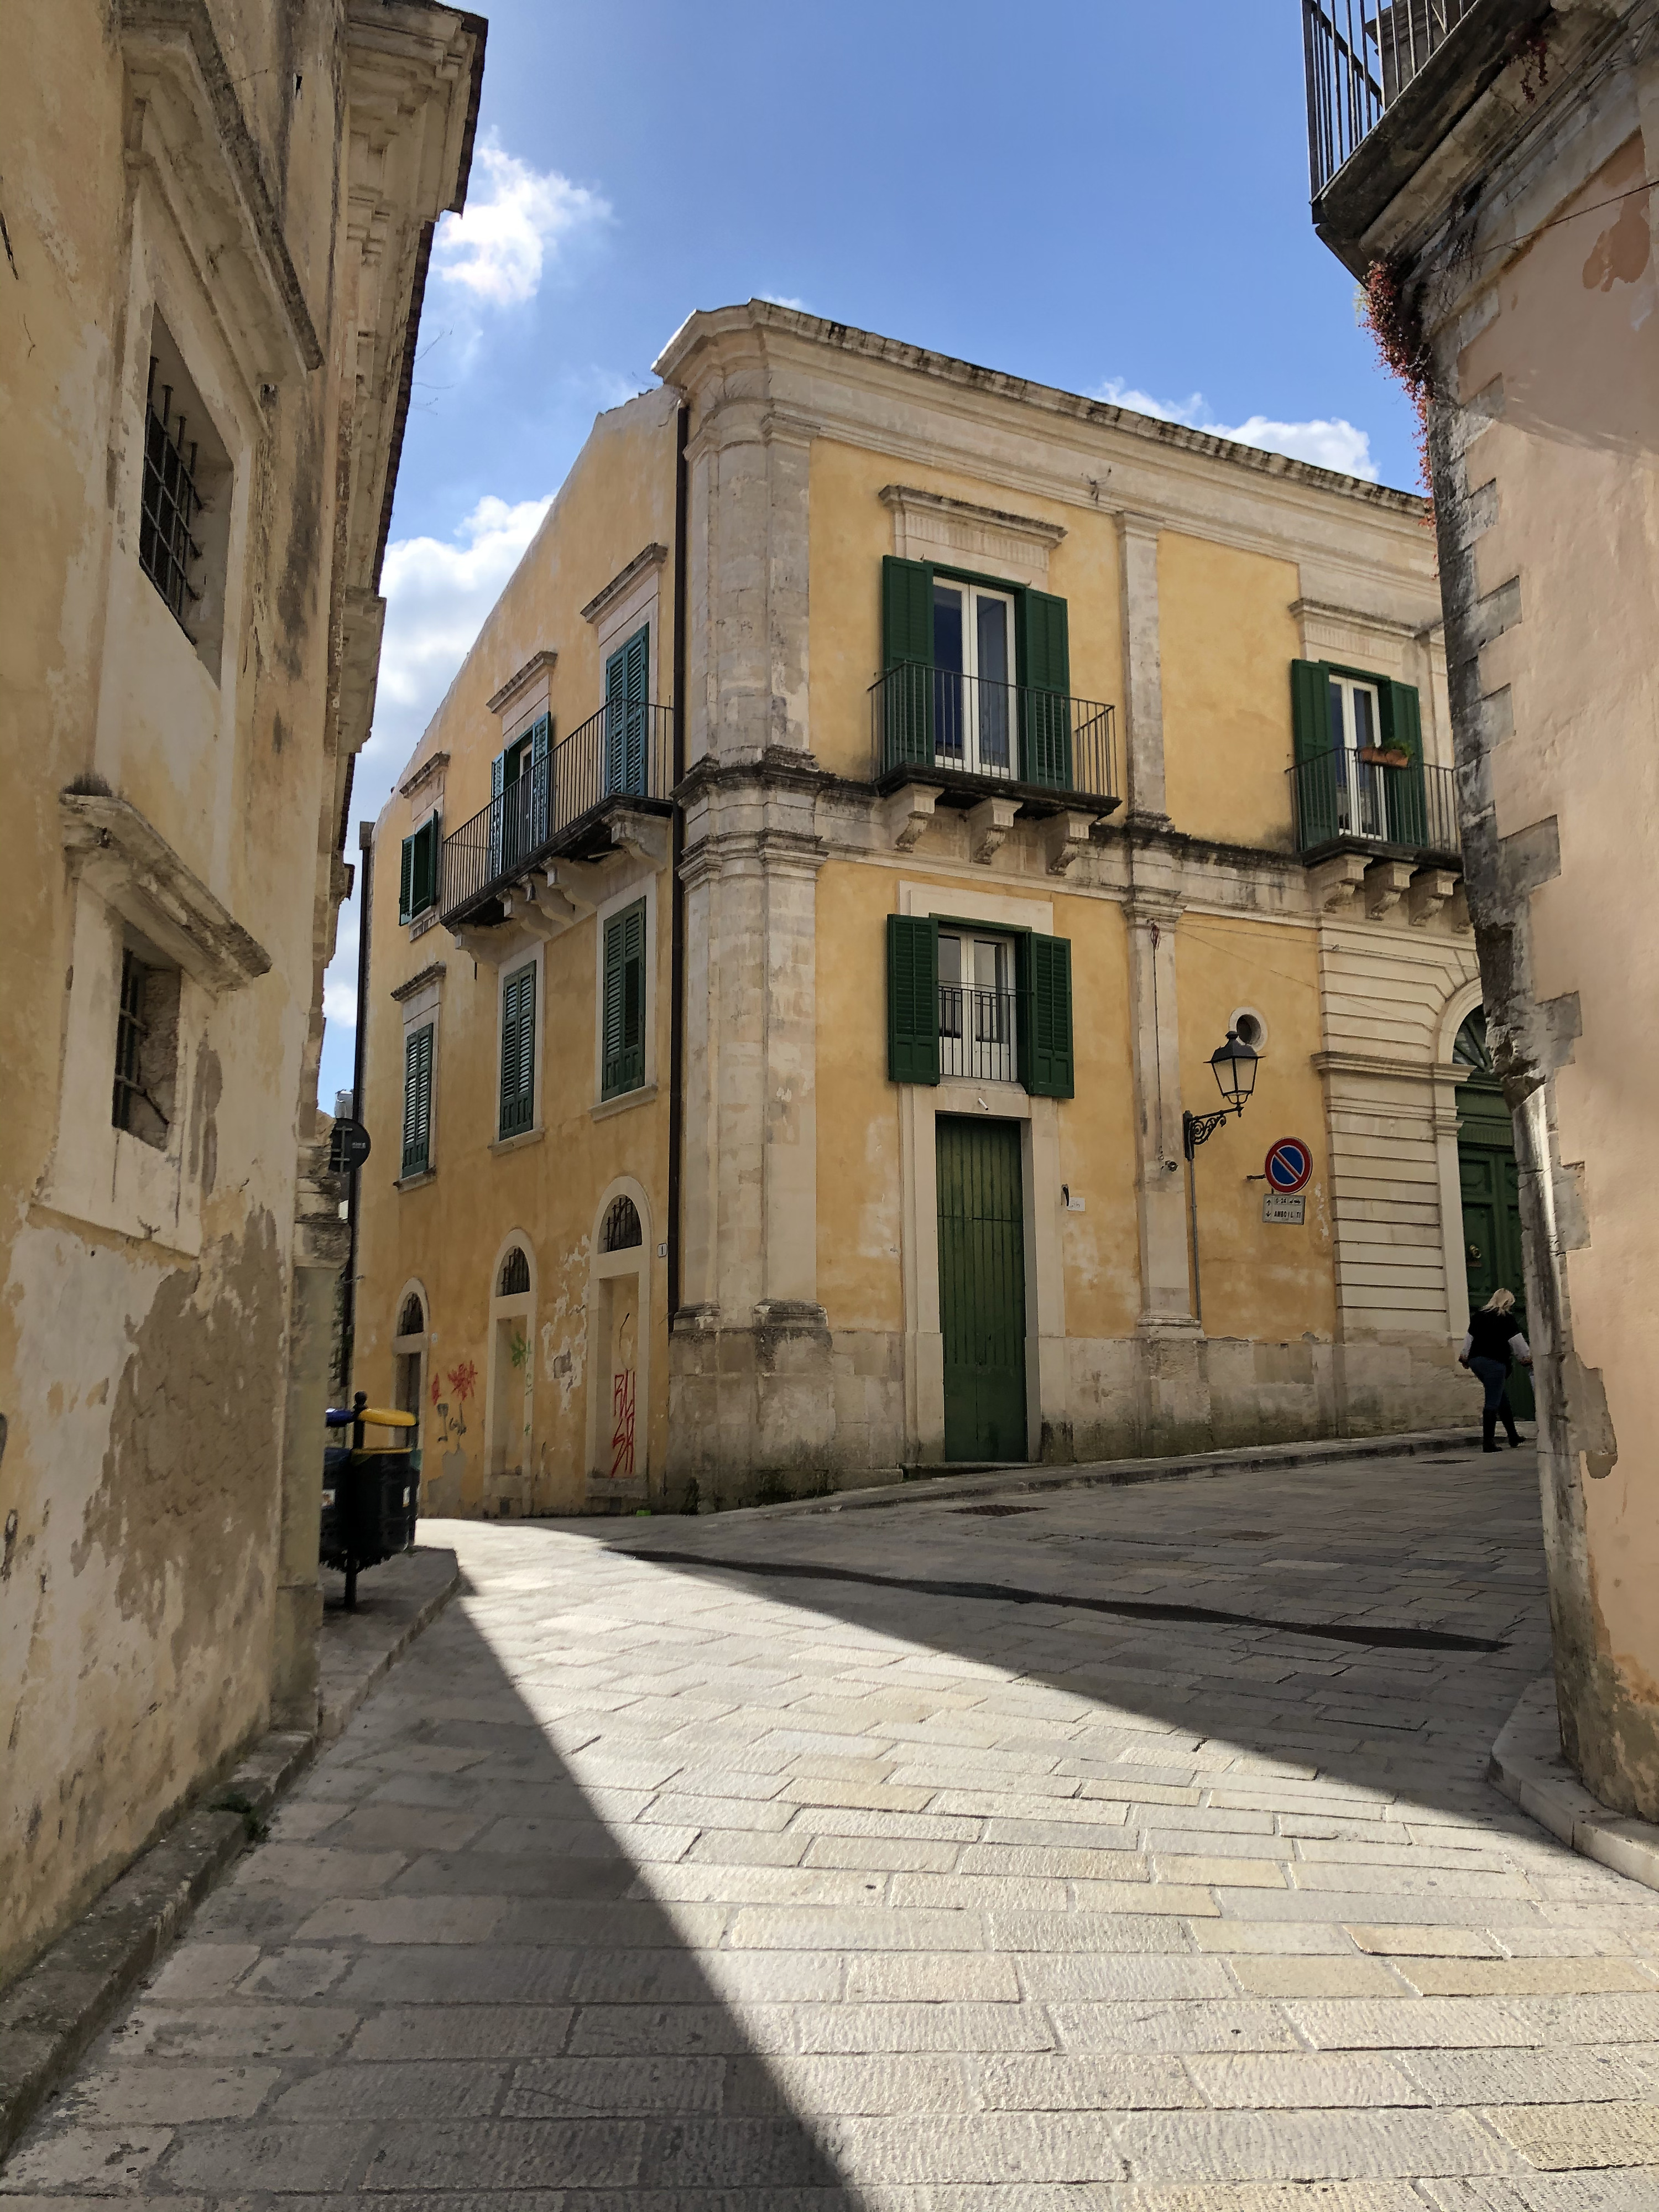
(1500, 1302)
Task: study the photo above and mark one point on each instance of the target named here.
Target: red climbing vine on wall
(1396, 329)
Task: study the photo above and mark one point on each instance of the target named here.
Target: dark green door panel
(1492, 1215)
(982, 1287)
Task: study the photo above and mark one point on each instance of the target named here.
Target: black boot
(1489, 1429)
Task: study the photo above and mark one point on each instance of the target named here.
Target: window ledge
(420, 923)
(517, 1144)
(621, 1103)
(415, 1181)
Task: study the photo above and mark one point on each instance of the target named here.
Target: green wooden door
(982, 1287)
(1491, 1214)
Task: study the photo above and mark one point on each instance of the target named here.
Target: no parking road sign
(1290, 1166)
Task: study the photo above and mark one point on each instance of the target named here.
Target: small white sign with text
(1276, 1206)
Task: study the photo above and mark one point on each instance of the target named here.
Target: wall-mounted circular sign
(1290, 1165)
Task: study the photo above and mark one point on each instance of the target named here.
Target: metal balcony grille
(1360, 56)
(622, 752)
(1339, 801)
(987, 733)
(167, 551)
(976, 1035)
(130, 1031)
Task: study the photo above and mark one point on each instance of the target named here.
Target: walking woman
(1492, 1345)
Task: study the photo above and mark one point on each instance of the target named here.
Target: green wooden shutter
(622, 1032)
(1402, 729)
(1314, 778)
(627, 674)
(1045, 679)
(419, 881)
(417, 1102)
(1043, 974)
(497, 810)
(912, 999)
(518, 1051)
(541, 780)
(904, 734)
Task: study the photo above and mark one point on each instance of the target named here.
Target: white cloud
(496, 248)
(438, 593)
(1330, 442)
(784, 300)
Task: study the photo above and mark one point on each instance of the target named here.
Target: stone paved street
(980, 1864)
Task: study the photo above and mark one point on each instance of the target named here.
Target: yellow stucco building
(802, 930)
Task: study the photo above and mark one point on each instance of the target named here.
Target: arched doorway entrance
(1492, 1189)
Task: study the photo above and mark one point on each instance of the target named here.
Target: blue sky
(1108, 197)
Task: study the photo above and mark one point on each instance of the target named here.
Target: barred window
(184, 516)
(411, 1321)
(146, 1049)
(621, 1231)
(168, 552)
(515, 1274)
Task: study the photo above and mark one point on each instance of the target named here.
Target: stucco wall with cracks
(176, 172)
(1541, 301)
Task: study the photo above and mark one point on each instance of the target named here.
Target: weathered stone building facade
(218, 216)
(825, 1119)
(1496, 174)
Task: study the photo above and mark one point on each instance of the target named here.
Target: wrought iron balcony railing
(976, 1034)
(1360, 56)
(1340, 799)
(558, 804)
(989, 735)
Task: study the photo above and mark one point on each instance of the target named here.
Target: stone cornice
(520, 678)
(651, 556)
(433, 972)
(134, 869)
(429, 767)
(777, 767)
(990, 518)
(184, 107)
(1373, 1064)
(765, 322)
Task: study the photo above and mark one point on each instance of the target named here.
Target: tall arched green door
(1491, 1190)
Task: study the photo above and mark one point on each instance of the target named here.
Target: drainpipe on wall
(676, 895)
(359, 1046)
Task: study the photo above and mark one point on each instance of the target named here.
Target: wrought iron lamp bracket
(1197, 1129)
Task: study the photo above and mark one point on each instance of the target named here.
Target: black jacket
(1491, 1333)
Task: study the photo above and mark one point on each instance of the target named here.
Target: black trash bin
(371, 1490)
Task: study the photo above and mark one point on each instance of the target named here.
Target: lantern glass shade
(1235, 1066)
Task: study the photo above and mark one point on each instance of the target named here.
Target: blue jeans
(1494, 1376)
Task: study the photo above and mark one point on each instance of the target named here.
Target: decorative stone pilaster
(1143, 677)
(1173, 1409)
(750, 1387)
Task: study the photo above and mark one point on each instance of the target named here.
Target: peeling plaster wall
(1546, 471)
(144, 1351)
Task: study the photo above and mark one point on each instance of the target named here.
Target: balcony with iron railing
(977, 1037)
(1361, 56)
(1342, 802)
(973, 739)
(561, 808)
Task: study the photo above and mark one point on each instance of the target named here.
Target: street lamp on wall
(1234, 1064)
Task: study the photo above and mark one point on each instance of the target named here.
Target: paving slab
(1135, 1852)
